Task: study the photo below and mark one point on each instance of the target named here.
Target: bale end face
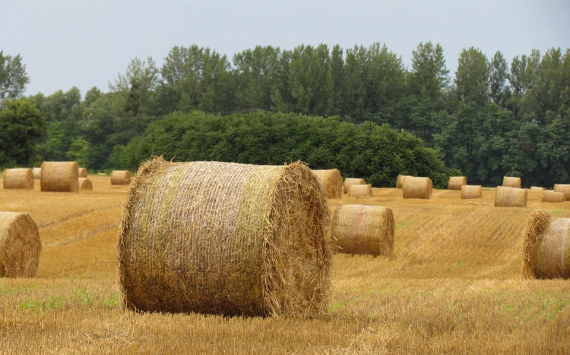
(85, 184)
(331, 181)
(20, 245)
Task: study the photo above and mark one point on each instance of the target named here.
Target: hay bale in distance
(120, 177)
(360, 190)
(352, 181)
(546, 253)
(225, 238)
(331, 181)
(85, 184)
(20, 245)
(510, 197)
(59, 176)
(471, 191)
(400, 180)
(360, 229)
(456, 182)
(82, 173)
(417, 187)
(18, 179)
(509, 181)
(552, 196)
(37, 172)
(536, 189)
(564, 188)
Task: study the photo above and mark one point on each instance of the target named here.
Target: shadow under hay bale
(471, 192)
(400, 180)
(360, 229)
(512, 182)
(352, 181)
(120, 177)
(510, 197)
(225, 238)
(552, 196)
(545, 247)
(456, 182)
(360, 190)
(565, 189)
(37, 172)
(20, 245)
(22, 179)
(82, 173)
(85, 184)
(417, 187)
(331, 181)
(59, 176)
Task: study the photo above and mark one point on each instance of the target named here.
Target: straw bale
(552, 196)
(225, 238)
(512, 182)
(59, 176)
(20, 245)
(360, 190)
(545, 247)
(536, 189)
(37, 172)
(417, 187)
(456, 182)
(18, 179)
(331, 182)
(401, 179)
(85, 184)
(120, 177)
(352, 181)
(510, 197)
(564, 188)
(82, 173)
(471, 191)
(360, 229)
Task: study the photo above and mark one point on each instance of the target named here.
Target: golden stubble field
(452, 285)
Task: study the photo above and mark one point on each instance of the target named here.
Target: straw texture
(512, 182)
(352, 181)
(82, 173)
(85, 184)
(360, 190)
(510, 197)
(536, 189)
(37, 172)
(471, 191)
(120, 177)
(360, 229)
(18, 179)
(331, 182)
(417, 187)
(552, 196)
(225, 238)
(564, 188)
(400, 180)
(20, 245)
(456, 182)
(59, 176)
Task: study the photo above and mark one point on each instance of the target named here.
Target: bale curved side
(82, 173)
(552, 196)
(509, 181)
(417, 187)
(456, 182)
(400, 180)
(120, 177)
(360, 229)
(360, 190)
(352, 181)
(536, 189)
(471, 191)
(20, 245)
(332, 183)
(225, 238)
(565, 189)
(22, 178)
(510, 197)
(59, 176)
(85, 184)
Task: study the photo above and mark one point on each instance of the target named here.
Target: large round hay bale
(82, 172)
(564, 188)
(456, 182)
(546, 249)
(18, 179)
(360, 229)
(20, 245)
(59, 176)
(37, 172)
(360, 190)
(120, 177)
(331, 181)
(471, 191)
(85, 184)
(417, 187)
(510, 197)
(400, 180)
(352, 181)
(509, 181)
(552, 196)
(225, 238)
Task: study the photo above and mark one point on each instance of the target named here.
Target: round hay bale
(546, 249)
(536, 189)
(510, 197)
(512, 182)
(564, 188)
(360, 229)
(471, 191)
(352, 181)
(360, 190)
(82, 173)
(20, 245)
(401, 179)
(552, 196)
(37, 172)
(417, 187)
(225, 238)
(456, 182)
(120, 177)
(85, 184)
(18, 179)
(59, 176)
(331, 181)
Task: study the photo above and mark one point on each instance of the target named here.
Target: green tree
(429, 75)
(472, 76)
(499, 92)
(79, 151)
(13, 77)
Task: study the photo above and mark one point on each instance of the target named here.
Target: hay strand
(18, 179)
(471, 191)
(59, 176)
(85, 184)
(510, 197)
(509, 181)
(456, 182)
(417, 187)
(37, 172)
(352, 181)
(20, 245)
(360, 190)
(120, 177)
(400, 180)
(82, 173)
(332, 183)
(565, 189)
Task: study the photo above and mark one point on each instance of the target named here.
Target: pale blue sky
(86, 43)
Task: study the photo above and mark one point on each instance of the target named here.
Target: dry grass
(452, 285)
